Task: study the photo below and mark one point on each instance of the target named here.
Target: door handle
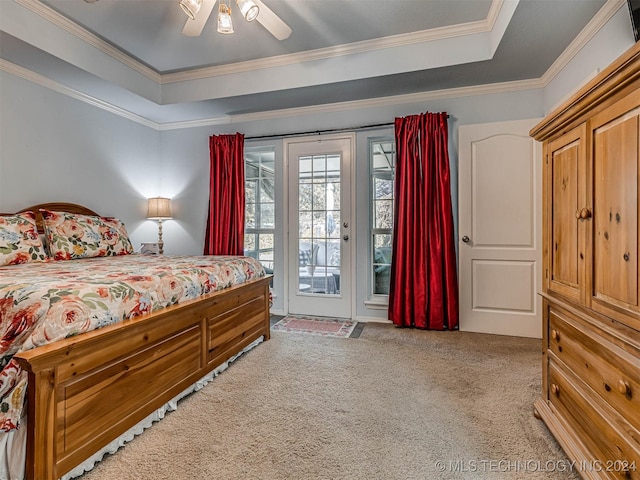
(345, 237)
(465, 239)
(583, 214)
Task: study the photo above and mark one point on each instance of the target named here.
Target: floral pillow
(19, 240)
(72, 236)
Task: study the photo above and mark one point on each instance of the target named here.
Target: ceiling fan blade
(272, 22)
(194, 27)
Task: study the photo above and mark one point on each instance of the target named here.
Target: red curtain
(225, 222)
(424, 287)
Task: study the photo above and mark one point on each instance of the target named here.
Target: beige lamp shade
(159, 208)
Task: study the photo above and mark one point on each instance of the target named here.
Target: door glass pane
(333, 223)
(381, 264)
(267, 217)
(305, 197)
(319, 224)
(249, 242)
(382, 153)
(260, 205)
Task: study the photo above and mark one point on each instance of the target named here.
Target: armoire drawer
(612, 372)
(606, 436)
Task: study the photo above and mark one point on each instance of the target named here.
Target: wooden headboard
(56, 207)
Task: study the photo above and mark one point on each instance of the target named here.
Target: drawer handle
(555, 335)
(624, 388)
(555, 389)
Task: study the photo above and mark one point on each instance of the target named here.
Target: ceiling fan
(199, 11)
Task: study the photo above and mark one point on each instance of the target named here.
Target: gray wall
(78, 153)
(610, 42)
(55, 148)
(186, 165)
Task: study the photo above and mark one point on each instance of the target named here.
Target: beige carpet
(388, 405)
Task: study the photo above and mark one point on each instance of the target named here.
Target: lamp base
(160, 242)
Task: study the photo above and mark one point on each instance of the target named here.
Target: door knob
(465, 239)
(345, 237)
(624, 387)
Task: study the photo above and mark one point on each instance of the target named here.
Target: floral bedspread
(44, 302)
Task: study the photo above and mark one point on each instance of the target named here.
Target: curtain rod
(319, 132)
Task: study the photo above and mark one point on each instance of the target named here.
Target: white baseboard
(373, 320)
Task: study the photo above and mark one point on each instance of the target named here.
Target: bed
(85, 390)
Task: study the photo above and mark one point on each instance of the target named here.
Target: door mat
(323, 326)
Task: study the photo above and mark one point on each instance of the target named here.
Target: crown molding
(83, 34)
(600, 19)
(393, 41)
(205, 122)
(413, 98)
(494, 88)
(494, 12)
(46, 82)
(475, 90)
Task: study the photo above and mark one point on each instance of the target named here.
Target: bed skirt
(13, 444)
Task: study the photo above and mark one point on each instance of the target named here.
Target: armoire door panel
(565, 225)
(565, 170)
(615, 268)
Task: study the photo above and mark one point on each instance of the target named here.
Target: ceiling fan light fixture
(249, 9)
(191, 7)
(225, 25)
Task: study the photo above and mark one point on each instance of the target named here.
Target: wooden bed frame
(86, 391)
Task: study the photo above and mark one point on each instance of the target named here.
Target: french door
(320, 225)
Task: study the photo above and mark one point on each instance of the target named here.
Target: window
(259, 228)
(382, 153)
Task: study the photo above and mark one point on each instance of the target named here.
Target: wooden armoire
(591, 294)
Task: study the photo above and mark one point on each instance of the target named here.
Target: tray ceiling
(132, 55)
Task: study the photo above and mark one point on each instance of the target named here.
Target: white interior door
(320, 225)
(499, 194)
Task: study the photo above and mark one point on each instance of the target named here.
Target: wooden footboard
(87, 390)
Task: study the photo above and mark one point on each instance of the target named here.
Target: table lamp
(159, 209)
